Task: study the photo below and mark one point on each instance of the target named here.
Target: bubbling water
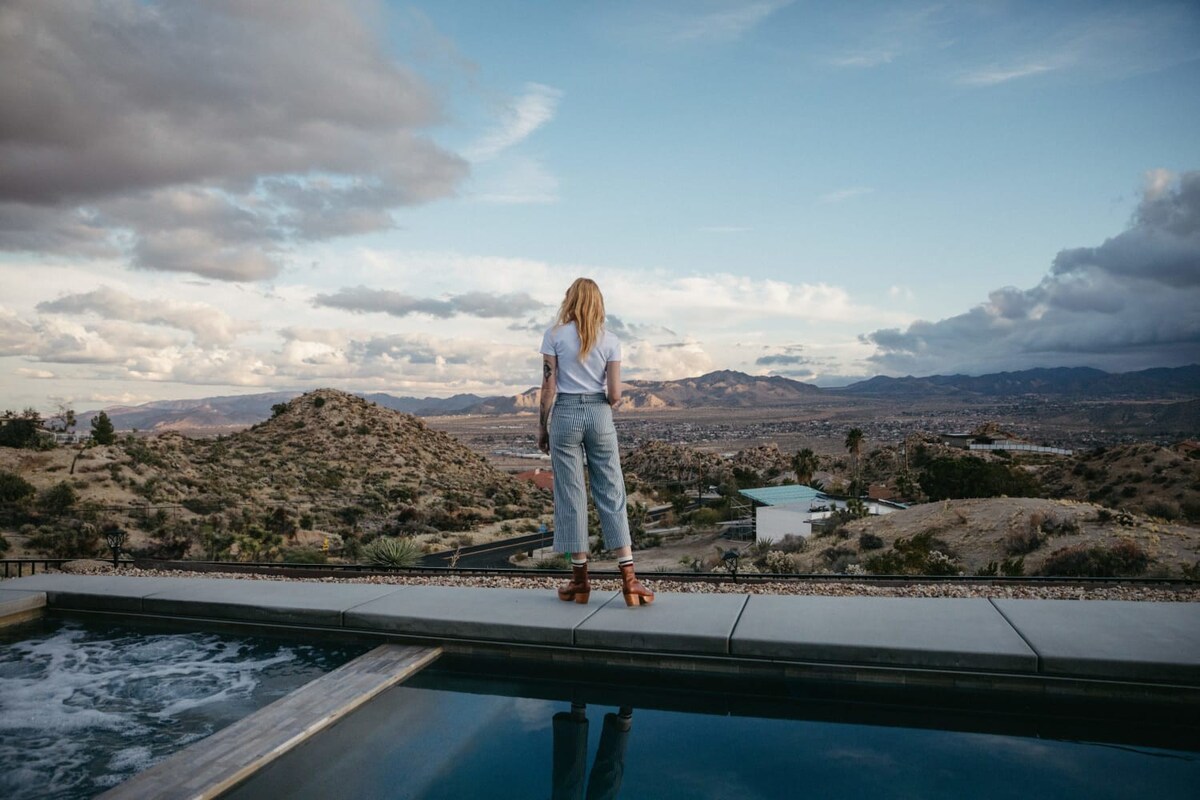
(83, 708)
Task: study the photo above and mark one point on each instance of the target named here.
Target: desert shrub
(923, 554)
(169, 542)
(1020, 542)
(58, 499)
(791, 543)
(1009, 567)
(938, 563)
(780, 563)
(1190, 510)
(1163, 509)
(68, 541)
(869, 541)
(556, 561)
(705, 517)
(206, 503)
(1191, 572)
(832, 554)
(1062, 525)
(945, 478)
(304, 555)
(1124, 557)
(318, 402)
(391, 551)
(140, 453)
(14, 488)
(3, 544)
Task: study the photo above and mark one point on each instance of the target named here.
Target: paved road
(492, 554)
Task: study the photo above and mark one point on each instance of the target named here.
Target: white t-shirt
(580, 377)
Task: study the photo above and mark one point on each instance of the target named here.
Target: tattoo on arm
(547, 370)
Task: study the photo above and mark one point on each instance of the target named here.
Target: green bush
(556, 561)
(791, 543)
(14, 488)
(304, 555)
(393, 552)
(58, 499)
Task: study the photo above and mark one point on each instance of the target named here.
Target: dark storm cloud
(780, 359)
(360, 299)
(1130, 303)
(288, 113)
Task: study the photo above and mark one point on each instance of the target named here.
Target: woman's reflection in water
(570, 754)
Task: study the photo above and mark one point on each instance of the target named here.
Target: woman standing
(581, 381)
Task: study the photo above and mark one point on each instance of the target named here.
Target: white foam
(80, 711)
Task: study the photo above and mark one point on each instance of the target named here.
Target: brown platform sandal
(635, 593)
(578, 588)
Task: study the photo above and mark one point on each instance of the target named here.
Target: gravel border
(830, 589)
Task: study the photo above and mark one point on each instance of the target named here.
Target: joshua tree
(854, 440)
(805, 463)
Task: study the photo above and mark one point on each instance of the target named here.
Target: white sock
(575, 563)
(624, 560)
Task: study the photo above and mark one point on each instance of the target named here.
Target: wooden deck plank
(217, 763)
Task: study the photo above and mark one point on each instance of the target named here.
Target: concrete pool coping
(217, 763)
(1150, 644)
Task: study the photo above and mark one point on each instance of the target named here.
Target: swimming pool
(457, 730)
(84, 706)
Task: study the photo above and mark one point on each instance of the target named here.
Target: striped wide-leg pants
(582, 424)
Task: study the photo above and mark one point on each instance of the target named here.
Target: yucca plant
(391, 551)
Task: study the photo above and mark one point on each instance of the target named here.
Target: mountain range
(721, 389)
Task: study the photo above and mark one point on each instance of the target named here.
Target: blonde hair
(583, 305)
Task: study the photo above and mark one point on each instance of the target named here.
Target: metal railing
(15, 567)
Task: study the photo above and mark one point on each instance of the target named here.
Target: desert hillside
(326, 462)
(1018, 536)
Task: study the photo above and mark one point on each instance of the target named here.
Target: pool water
(442, 737)
(86, 706)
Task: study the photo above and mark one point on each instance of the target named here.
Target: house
(541, 478)
(783, 510)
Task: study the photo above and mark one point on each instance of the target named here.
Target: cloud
(990, 76)
(781, 359)
(729, 22)
(1108, 43)
(842, 195)
(360, 299)
(518, 121)
(1130, 303)
(280, 120)
(520, 180)
(864, 58)
(209, 325)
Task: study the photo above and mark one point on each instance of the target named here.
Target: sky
(229, 197)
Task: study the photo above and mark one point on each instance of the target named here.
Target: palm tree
(805, 463)
(854, 440)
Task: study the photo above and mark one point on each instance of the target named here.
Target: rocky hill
(1019, 535)
(1143, 478)
(327, 461)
